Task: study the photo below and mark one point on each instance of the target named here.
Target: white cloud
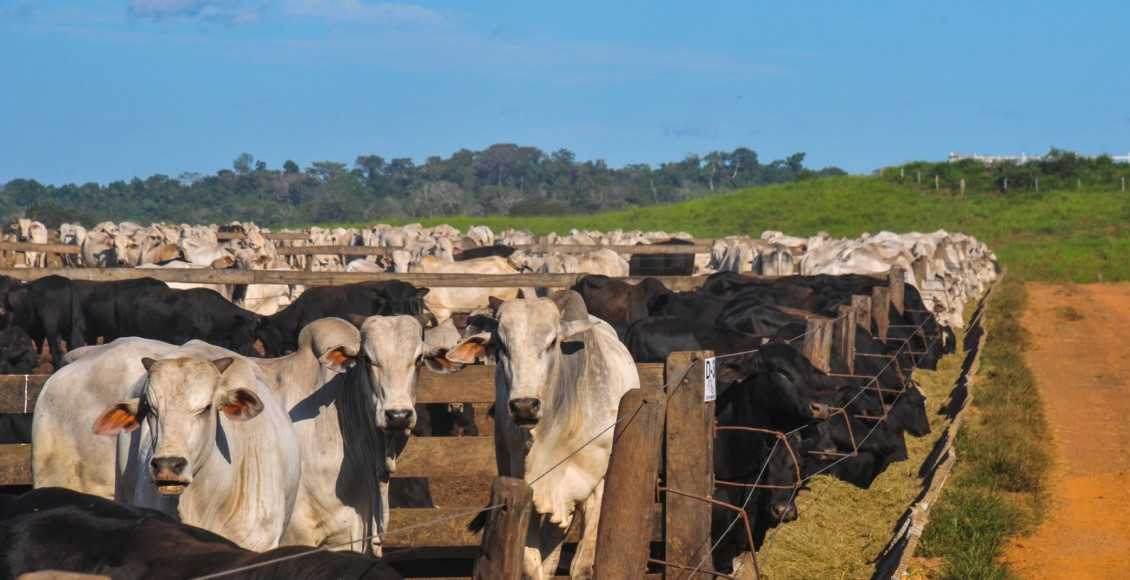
(357, 11)
(225, 12)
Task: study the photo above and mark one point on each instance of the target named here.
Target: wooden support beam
(896, 283)
(689, 463)
(862, 306)
(844, 336)
(881, 311)
(504, 538)
(624, 534)
(818, 342)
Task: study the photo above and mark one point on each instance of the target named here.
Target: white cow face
(528, 347)
(179, 405)
(392, 350)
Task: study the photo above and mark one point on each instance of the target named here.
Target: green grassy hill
(1053, 236)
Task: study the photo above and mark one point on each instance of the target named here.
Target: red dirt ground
(1081, 360)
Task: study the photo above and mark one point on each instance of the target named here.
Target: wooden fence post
(504, 538)
(690, 464)
(896, 282)
(880, 311)
(624, 534)
(862, 306)
(818, 342)
(844, 332)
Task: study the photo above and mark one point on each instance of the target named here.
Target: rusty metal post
(504, 538)
(624, 533)
(689, 445)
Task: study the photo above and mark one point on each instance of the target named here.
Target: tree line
(1058, 170)
(503, 179)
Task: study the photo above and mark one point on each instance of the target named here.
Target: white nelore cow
(36, 233)
(352, 420)
(64, 452)
(558, 381)
(204, 440)
(443, 301)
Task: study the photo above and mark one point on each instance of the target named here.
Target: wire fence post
(624, 533)
(690, 463)
(504, 538)
(844, 332)
(818, 342)
(862, 306)
(881, 311)
(896, 283)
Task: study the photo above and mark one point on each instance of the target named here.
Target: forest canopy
(503, 179)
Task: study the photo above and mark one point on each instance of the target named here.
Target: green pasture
(1060, 236)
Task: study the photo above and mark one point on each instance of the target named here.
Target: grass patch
(1000, 487)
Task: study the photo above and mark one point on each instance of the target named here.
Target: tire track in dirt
(1081, 359)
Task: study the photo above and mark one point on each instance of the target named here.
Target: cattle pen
(657, 502)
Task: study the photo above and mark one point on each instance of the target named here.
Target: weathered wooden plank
(211, 276)
(818, 342)
(445, 456)
(33, 247)
(626, 513)
(504, 538)
(896, 283)
(15, 464)
(689, 469)
(881, 311)
(845, 327)
(18, 393)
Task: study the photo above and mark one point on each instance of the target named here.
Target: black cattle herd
(812, 421)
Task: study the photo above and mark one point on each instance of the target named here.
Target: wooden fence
(667, 416)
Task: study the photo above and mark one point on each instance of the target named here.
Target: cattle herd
(195, 429)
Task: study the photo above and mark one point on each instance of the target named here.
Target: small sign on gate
(711, 390)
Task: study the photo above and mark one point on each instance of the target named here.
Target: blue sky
(101, 90)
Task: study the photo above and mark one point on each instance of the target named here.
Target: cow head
(392, 351)
(527, 345)
(179, 404)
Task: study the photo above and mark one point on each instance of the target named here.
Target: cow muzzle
(399, 419)
(783, 512)
(525, 412)
(168, 474)
(819, 410)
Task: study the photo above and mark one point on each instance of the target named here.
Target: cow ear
(472, 349)
(436, 360)
(357, 320)
(339, 358)
(241, 404)
(147, 362)
(222, 364)
(495, 302)
(573, 328)
(121, 416)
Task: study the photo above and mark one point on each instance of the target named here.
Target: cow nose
(525, 409)
(819, 410)
(172, 465)
(398, 419)
(783, 513)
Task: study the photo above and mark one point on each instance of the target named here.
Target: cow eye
(552, 343)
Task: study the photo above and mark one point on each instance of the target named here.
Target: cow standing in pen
(559, 378)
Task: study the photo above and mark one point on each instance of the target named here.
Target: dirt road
(1081, 358)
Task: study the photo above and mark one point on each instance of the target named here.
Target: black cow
(828, 447)
(60, 529)
(653, 338)
(279, 331)
(483, 252)
(17, 352)
(49, 309)
(615, 301)
(99, 305)
(178, 316)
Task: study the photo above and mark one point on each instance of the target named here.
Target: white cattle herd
(300, 449)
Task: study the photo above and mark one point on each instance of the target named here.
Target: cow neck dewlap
(565, 430)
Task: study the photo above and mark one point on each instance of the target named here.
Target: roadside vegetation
(1001, 482)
